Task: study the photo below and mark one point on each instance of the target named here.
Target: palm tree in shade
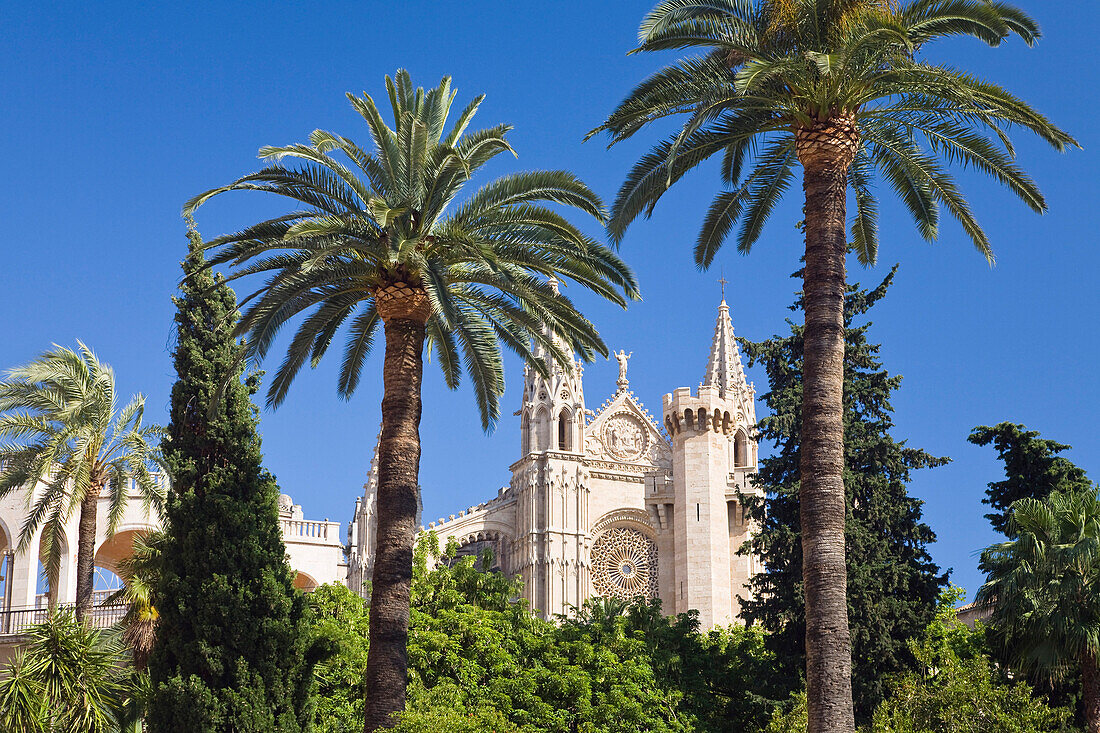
(844, 89)
(71, 445)
(377, 240)
(1044, 588)
(139, 573)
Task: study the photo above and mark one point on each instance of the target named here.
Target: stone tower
(712, 455)
(550, 486)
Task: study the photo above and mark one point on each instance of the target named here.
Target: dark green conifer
(893, 585)
(1033, 469)
(231, 653)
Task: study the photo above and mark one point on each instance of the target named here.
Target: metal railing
(19, 620)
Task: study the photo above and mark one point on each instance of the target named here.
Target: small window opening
(563, 431)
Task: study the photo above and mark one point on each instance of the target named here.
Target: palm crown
(783, 72)
(67, 433)
(385, 225)
(1045, 585)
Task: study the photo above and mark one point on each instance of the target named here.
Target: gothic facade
(615, 502)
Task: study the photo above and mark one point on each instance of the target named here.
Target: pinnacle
(724, 369)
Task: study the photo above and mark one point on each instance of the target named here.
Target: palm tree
(139, 573)
(840, 87)
(70, 677)
(23, 708)
(69, 437)
(1044, 588)
(377, 242)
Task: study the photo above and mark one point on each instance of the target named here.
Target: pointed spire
(724, 369)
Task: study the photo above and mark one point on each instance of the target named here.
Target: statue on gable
(622, 357)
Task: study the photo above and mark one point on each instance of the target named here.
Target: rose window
(624, 564)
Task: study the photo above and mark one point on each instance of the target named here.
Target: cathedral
(614, 502)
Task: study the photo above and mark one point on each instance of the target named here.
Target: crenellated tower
(713, 454)
(550, 485)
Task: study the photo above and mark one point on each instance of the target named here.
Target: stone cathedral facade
(615, 502)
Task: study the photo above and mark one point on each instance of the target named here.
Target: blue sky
(114, 114)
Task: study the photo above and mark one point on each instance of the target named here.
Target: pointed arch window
(526, 443)
(741, 450)
(542, 429)
(565, 430)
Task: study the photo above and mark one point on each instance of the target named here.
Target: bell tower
(550, 483)
(713, 452)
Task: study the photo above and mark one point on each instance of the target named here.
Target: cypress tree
(893, 585)
(232, 650)
(1033, 469)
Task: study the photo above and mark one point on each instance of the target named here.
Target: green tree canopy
(479, 659)
(1033, 469)
(893, 584)
(1044, 588)
(232, 653)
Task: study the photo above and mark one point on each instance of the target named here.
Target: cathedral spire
(724, 369)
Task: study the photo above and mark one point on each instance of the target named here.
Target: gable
(624, 432)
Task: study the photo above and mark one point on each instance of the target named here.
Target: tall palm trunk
(825, 149)
(404, 310)
(1090, 692)
(85, 550)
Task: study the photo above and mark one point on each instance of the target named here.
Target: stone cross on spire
(724, 369)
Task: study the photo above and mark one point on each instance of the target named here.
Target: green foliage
(70, 437)
(726, 677)
(140, 573)
(470, 633)
(70, 678)
(956, 688)
(892, 582)
(480, 660)
(446, 708)
(1033, 469)
(959, 689)
(363, 220)
(340, 624)
(772, 69)
(232, 650)
(1044, 587)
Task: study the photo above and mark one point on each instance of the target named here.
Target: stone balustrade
(304, 531)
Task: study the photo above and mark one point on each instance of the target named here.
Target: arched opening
(727, 423)
(703, 418)
(668, 426)
(689, 419)
(53, 588)
(525, 446)
(304, 582)
(565, 430)
(740, 450)
(7, 567)
(716, 421)
(108, 559)
(542, 428)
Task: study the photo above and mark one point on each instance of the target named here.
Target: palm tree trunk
(826, 150)
(85, 551)
(1090, 692)
(398, 483)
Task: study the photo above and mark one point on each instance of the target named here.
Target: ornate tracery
(624, 564)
